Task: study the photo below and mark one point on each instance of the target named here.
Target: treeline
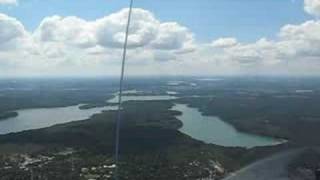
(7, 115)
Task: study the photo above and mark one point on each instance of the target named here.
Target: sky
(203, 17)
(167, 37)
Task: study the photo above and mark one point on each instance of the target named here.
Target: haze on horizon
(281, 40)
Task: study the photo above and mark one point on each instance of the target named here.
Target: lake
(211, 129)
(44, 117)
(208, 129)
(141, 98)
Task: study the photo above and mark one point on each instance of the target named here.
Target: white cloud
(172, 36)
(312, 7)
(224, 42)
(11, 32)
(143, 29)
(14, 2)
(68, 30)
(297, 45)
(108, 32)
(301, 41)
(63, 43)
(70, 45)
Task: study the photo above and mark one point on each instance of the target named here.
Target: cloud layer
(8, 2)
(74, 46)
(108, 32)
(312, 7)
(11, 31)
(73, 43)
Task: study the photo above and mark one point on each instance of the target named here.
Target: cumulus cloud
(11, 32)
(312, 7)
(69, 45)
(297, 47)
(67, 30)
(224, 42)
(108, 32)
(143, 29)
(80, 42)
(172, 36)
(301, 40)
(10, 2)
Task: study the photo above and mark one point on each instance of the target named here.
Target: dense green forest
(151, 144)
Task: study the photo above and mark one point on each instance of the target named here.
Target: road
(272, 168)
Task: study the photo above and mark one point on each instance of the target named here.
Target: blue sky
(247, 20)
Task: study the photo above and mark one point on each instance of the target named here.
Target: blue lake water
(141, 98)
(44, 117)
(210, 129)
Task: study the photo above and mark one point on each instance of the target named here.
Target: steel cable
(119, 115)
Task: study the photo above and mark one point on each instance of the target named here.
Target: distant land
(151, 141)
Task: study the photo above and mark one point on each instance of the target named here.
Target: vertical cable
(118, 123)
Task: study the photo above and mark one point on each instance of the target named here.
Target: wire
(118, 123)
